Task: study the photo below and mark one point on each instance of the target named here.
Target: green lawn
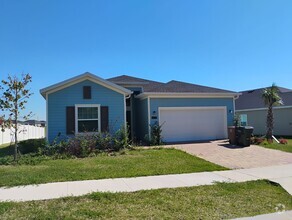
(282, 147)
(132, 163)
(220, 201)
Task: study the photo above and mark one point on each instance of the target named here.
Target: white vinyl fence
(25, 132)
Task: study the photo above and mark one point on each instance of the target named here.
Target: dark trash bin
(232, 135)
(244, 135)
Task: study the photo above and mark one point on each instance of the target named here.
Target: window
(243, 120)
(87, 118)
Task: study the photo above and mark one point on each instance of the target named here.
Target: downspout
(234, 98)
(149, 128)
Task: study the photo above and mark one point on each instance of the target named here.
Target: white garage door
(193, 123)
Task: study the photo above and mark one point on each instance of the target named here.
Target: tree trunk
(16, 142)
(270, 123)
(16, 125)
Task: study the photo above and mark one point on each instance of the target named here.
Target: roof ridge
(289, 90)
(133, 77)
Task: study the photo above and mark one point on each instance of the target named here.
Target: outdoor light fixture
(154, 115)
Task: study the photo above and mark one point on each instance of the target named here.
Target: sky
(230, 44)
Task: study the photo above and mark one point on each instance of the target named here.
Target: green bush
(83, 145)
(34, 151)
(156, 137)
(6, 160)
(31, 146)
(104, 141)
(25, 159)
(121, 139)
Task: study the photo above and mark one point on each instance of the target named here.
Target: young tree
(271, 98)
(15, 95)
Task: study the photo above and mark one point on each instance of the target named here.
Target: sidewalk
(281, 174)
(273, 216)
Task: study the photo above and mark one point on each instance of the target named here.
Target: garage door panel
(193, 124)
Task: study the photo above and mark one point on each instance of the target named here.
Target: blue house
(187, 112)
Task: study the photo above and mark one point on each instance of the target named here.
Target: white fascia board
(187, 95)
(260, 109)
(80, 78)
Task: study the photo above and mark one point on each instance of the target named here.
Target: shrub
(258, 140)
(283, 141)
(6, 160)
(121, 139)
(54, 148)
(31, 159)
(25, 159)
(82, 145)
(104, 141)
(89, 144)
(236, 120)
(31, 146)
(156, 137)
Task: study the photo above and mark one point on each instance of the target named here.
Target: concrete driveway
(224, 154)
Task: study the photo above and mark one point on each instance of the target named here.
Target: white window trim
(76, 117)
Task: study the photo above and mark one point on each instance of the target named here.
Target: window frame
(87, 106)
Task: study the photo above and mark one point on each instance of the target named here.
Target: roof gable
(147, 85)
(80, 78)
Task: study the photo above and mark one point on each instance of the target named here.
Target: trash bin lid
(248, 127)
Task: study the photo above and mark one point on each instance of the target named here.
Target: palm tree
(271, 98)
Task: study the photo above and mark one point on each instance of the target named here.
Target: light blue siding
(192, 102)
(72, 95)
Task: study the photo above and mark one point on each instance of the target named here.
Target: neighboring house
(187, 112)
(252, 111)
(35, 123)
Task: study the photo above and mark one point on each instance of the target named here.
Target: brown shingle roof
(148, 85)
(170, 87)
(183, 87)
(251, 99)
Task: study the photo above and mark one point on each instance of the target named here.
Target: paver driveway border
(234, 157)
